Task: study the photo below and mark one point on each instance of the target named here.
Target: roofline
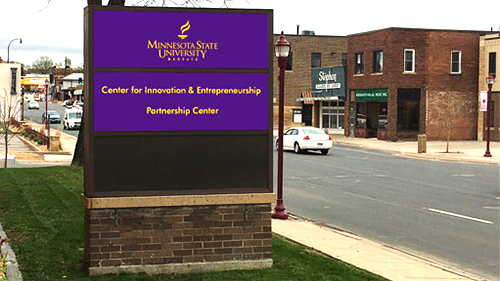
(295, 35)
(481, 32)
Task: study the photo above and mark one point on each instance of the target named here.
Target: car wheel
(296, 148)
(324, 151)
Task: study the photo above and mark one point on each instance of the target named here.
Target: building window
(378, 61)
(315, 60)
(492, 65)
(358, 63)
(456, 57)
(409, 60)
(289, 62)
(344, 59)
(408, 110)
(332, 115)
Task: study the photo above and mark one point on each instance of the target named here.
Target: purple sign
(157, 39)
(180, 101)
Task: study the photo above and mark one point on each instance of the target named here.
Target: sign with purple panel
(180, 39)
(180, 101)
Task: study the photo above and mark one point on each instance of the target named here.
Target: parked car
(72, 118)
(33, 104)
(54, 117)
(301, 139)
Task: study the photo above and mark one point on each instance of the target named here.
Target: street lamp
(8, 47)
(47, 117)
(282, 50)
(489, 80)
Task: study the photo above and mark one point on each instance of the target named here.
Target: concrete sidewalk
(363, 253)
(460, 151)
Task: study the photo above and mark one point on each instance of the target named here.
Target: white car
(33, 105)
(301, 139)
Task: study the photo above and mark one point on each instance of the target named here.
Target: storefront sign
(371, 95)
(328, 81)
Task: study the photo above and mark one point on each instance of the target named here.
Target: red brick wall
(149, 236)
(298, 79)
(432, 74)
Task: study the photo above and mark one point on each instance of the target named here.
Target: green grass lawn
(41, 212)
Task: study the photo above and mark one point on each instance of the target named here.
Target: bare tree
(43, 63)
(455, 109)
(9, 108)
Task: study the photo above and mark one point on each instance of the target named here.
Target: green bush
(40, 142)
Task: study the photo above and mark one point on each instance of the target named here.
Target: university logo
(184, 50)
(184, 28)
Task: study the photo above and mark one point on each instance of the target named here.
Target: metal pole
(488, 122)
(279, 209)
(8, 47)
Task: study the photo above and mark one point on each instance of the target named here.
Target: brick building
(489, 61)
(404, 82)
(308, 51)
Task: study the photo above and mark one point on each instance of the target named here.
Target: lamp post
(282, 50)
(22, 103)
(47, 117)
(489, 80)
(8, 47)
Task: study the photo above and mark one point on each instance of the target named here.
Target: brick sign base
(178, 239)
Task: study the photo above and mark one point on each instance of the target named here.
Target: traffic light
(80, 81)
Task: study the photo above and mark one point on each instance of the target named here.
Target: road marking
(464, 175)
(459, 216)
(492, 207)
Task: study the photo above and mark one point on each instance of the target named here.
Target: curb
(13, 273)
(352, 235)
(429, 156)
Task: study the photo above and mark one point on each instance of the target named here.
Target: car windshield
(75, 115)
(54, 113)
(313, 131)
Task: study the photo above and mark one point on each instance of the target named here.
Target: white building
(10, 90)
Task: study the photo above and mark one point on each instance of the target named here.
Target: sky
(54, 28)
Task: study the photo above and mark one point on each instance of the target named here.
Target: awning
(306, 97)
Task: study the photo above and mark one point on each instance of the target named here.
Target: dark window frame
(492, 64)
(315, 60)
(456, 63)
(408, 104)
(289, 62)
(359, 64)
(378, 61)
(406, 61)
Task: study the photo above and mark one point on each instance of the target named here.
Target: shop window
(378, 61)
(332, 114)
(408, 110)
(492, 65)
(409, 61)
(358, 63)
(289, 62)
(456, 58)
(315, 60)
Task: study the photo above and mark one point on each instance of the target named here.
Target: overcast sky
(55, 29)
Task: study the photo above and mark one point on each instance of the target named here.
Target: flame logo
(184, 28)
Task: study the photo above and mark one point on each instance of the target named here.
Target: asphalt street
(35, 115)
(446, 212)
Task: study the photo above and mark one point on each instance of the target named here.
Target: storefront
(327, 97)
(371, 113)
